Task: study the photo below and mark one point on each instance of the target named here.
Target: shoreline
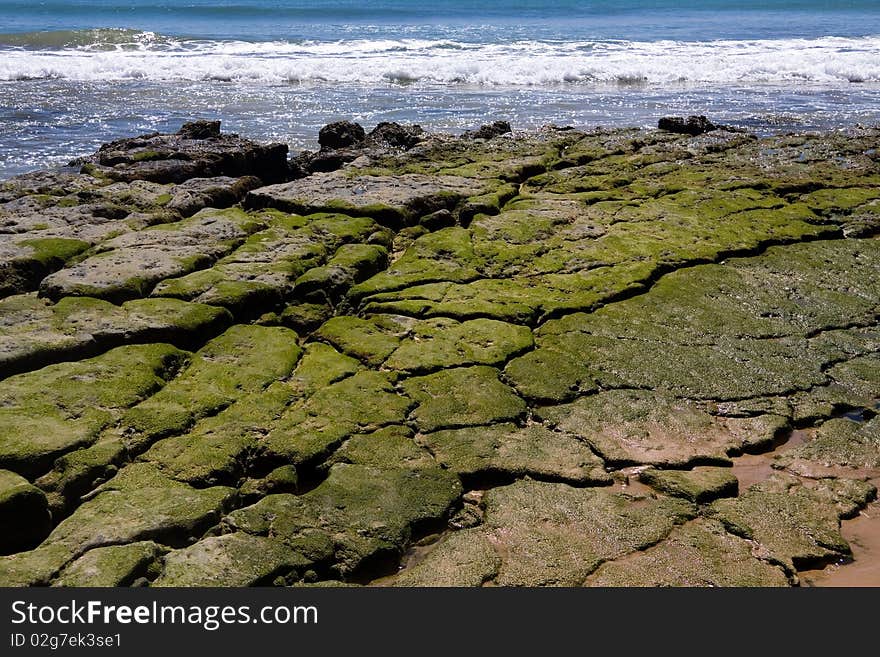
(465, 354)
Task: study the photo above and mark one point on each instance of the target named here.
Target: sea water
(76, 73)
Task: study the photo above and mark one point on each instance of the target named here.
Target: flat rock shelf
(556, 358)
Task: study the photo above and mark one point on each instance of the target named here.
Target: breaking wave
(117, 54)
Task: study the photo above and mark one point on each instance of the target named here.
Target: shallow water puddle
(752, 469)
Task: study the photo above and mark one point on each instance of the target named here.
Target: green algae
(62, 407)
(461, 397)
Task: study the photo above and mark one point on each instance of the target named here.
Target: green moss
(632, 427)
(390, 447)
(363, 339)
(548, 375)
(114, 565)
(62, 407)
(53, 252)
(312, 428)
(799, 527)
(700, 485)
(838, 442)
(699, 554)
(231, 560)
(368, 512)
(556, 535)
(510, 451)
(463, 558)
(146, 156)
(245, 359)
(217, 450)
(140, 504)
(443, 343)
(75, 473)
(320, 366)
(462, 397)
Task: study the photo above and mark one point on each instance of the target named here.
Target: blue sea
(76, 73)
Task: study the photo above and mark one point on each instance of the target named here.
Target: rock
(464, 558)
(340, 135)
(441, 343)
(396, 135)
(243, 360)
(556, 535)
(838, 443)
(395, 200)
(199, 130)
(390, 447)
(799, 527)
(699, 553)
(114, 565)
(488, 131)
(700, 485)
(692, 125)
(368, 513)
(508, 452)
(311, 429)
(229, 560)
(198, 150)
(628, 427)
(129, 266)
(538, 309)
(24, 514)
(462, 397)
(49, 412)
(35, 333)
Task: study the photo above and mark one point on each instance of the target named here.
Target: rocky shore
(417, 359)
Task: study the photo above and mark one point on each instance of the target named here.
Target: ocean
(77, 73)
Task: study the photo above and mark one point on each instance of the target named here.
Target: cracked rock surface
(510, 359)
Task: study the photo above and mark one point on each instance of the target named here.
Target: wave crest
(106, 55)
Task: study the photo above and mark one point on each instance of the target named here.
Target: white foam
(827, 61)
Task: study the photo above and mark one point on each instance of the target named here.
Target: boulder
(692, 125)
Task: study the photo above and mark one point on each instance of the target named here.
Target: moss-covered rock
(390, 447)
(441, 343)
(395, 200)
(129, 266)
(370, 341)
(231, 560)
(62, 407)
(462, 397)
(312, 428)
(510, 452)
(369, 513)
(35, 333)
(800, 528)
(701, 484)
(553, 534)
(113, 565)
(244, 359)
(699, 553)
(464, 558)
(320, 366)
(629, 427)
(839, 442)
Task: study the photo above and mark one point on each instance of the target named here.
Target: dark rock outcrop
(396, 135)
(340, 134)
(197, 150)
(489, 131)
(692, 125)
(344, 141)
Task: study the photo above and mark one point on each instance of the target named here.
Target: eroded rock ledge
(503, 358)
